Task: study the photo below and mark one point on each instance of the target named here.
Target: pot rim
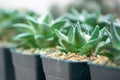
(103, 66)
(66, 61)
(14, 50)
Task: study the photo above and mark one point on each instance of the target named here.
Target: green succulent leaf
(102, 32)
(74, 11)
(22, 36)
(71, 35)
(115, 37)
(62, 49)
(85, 49)
(31, 19)
(68, 47)
(79, 40)
(102, 45)
(109, 34)
(58, 24)
(23, 27)
(95, 33)
(50, 39)
(38, 36)
(45, 30)
(46, 18)
(61, 35)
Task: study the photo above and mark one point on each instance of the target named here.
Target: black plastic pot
(99, 72)
(64, 70)
(27, 67)
(6, 67)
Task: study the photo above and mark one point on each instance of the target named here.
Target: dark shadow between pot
(65, 70)
(27, 67)
(6, 66)
(100, 72)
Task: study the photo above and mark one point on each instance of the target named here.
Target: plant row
(71, 40)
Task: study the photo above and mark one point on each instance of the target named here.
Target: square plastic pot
(27, 67)
(6, 67)
(64, 70)
(99, 72)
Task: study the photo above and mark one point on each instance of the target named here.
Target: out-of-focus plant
(39, 32)
(88, 20)
(105, 6)
(7, 19)
(114, 47)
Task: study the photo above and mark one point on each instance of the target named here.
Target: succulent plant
(7, 19)
(80, 42)
(88, 20)
(114, 47)
(39, 32)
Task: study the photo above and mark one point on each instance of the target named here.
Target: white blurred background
(43, 6)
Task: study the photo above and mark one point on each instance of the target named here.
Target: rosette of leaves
(80, 42)
(88, 20)
(114, 47)
(39, 32)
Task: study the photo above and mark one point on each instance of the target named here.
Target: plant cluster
(68, 32)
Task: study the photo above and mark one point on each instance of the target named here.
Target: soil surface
(57, 54)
